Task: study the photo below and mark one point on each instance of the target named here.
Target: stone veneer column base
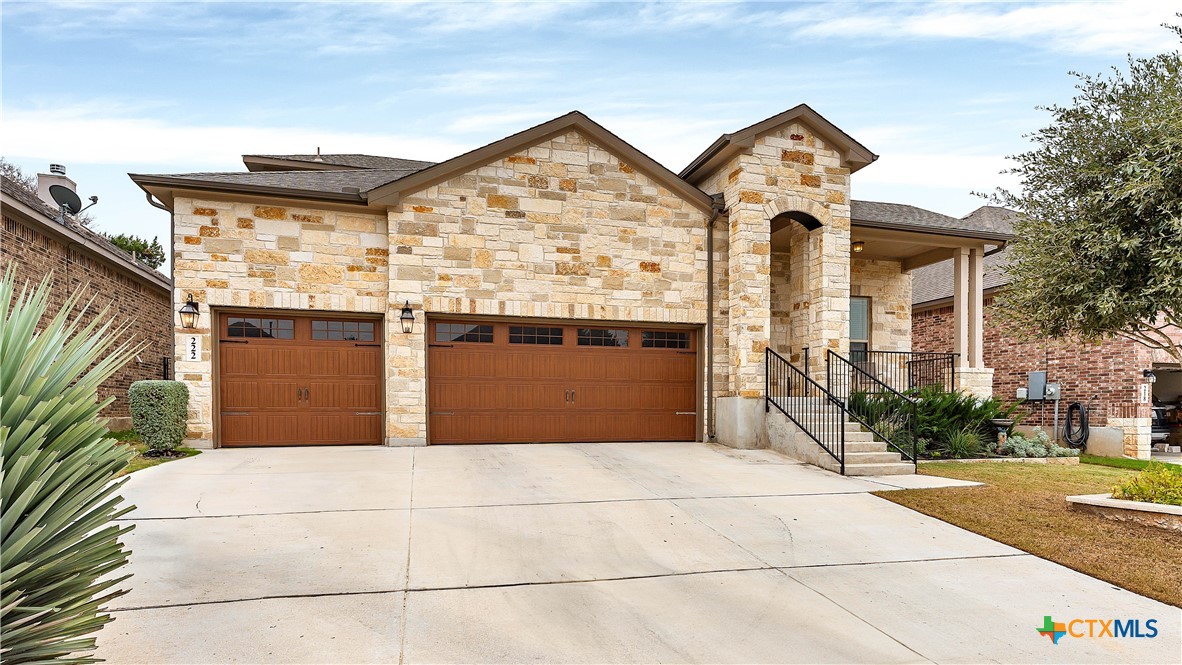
(405, 442)
(198, 444)
(739, 422)
(1137, 436)
(977, 381)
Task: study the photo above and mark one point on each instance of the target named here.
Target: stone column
(739, 418)
(968, 310)
(829, 292)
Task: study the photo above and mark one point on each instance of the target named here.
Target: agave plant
(61, 548)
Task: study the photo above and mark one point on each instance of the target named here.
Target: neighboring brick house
(558, 285)
(1106, 376)
(77, 258)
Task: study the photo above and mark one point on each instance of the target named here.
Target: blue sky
(942, 91)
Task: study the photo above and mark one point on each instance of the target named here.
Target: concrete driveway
(595, 553)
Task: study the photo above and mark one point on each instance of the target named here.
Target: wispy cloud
(83, 135)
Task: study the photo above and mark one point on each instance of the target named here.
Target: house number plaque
(192, 347)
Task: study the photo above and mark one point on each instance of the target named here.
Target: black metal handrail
(807, 404)
(891, 416)
(907, 370)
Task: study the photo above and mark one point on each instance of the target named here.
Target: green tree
(1098, 247)
(150, 254)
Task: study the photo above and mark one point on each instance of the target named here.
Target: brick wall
(1110, 370)
(145, 306)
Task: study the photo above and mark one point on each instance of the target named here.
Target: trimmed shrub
(1157, 483)
(940, 415)
(1038, 446)
(61, 553)
(159, 410)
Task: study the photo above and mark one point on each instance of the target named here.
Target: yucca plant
(61, 549)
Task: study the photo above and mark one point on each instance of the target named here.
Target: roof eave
(121, 260)
(1001, 238)
(162, 186)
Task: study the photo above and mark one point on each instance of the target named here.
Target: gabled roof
(345, 186)
(576, 121)
(854, 154)
(876, 214)
(331, 162)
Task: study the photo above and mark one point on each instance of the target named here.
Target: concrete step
(865, 447)
(879, 457)
(900, 469)
(858, 436)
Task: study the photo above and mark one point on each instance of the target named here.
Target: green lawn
(132, 439)
(1117, 462)
(1023, 505)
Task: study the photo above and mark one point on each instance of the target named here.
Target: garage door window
(463, 332)
(602, 337)
(535, 335)
(664, 339)
(261, 328)
(341, 331)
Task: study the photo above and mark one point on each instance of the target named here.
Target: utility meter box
(1052, 392)
(1036, 385)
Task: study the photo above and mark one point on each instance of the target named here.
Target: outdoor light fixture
(407, 318)
(857, 246)
(1150, 377)
(189, 313)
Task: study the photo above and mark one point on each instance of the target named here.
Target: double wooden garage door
(287, 380)
(537, 382)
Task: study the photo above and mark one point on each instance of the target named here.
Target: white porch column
(968, 305)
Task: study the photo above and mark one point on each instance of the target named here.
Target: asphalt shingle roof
(12, 190)
(935, 282)
(356, 161)
(332, 182)
(908, 215)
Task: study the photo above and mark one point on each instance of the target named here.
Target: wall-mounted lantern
(189, 313)
(407, 318)
(1150, 377)
(857, 246)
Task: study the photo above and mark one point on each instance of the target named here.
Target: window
(534, 335)
(859, 329)
(261, 328)
(339, 331)
(664, 339)
(463, 332)
(602, 337)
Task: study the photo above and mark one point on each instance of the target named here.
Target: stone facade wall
(787, 170)
(889, 290)
(561, 230)
(230, 254)
(1106, 376)
(131, 299)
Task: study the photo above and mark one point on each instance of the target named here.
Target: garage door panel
(498, 391)
(291, 389)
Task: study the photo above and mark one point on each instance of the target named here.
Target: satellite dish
(66, 198)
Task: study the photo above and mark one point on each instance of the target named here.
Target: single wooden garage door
(286, 380)
(494, 382)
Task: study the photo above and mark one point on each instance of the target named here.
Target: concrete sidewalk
(579, 553)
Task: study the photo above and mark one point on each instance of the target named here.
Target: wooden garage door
(287, 380)
(493, 382)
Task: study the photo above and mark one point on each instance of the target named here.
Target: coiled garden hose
(1076, 437)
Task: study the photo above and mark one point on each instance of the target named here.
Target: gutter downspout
(718, 209)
